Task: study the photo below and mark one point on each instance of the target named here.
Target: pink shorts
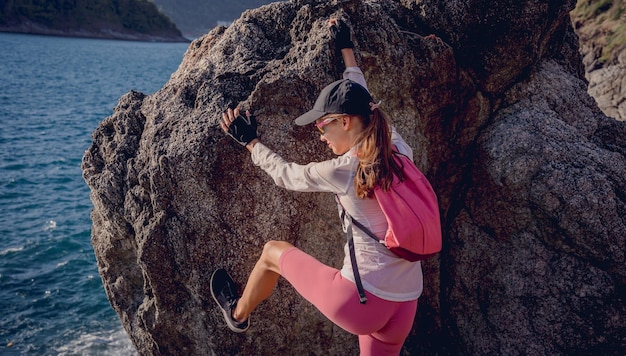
(382, 325)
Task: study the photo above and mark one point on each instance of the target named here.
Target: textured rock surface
(608, 86)
(529, 171)
(601, 26)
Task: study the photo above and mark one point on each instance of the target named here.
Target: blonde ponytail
(376, 163)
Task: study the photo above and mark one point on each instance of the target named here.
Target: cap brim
(309, 117)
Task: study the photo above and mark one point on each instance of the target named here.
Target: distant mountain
(124, 19)
(197, 17)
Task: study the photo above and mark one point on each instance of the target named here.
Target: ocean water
(53, 93)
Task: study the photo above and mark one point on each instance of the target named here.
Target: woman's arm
(348, 57)
(250, 146)
(343, 42)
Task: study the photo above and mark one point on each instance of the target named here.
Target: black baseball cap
(341, 97)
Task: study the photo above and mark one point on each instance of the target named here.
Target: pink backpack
(412, 213)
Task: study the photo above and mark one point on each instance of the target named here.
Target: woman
(356, 130)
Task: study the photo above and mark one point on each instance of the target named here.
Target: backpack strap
(355, 267)
(362, 227)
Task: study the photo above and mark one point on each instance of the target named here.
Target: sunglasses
(320, 126)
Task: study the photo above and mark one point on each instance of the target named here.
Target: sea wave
(114, 342)
(11, 250)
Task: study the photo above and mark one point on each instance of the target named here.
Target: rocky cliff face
(530, 175)
(601, 27)
(607, 85)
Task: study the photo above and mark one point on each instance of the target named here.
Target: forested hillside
(132, 19)
(196, 17)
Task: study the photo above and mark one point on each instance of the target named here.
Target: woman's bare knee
(272, 252)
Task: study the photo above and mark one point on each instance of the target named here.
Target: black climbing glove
(341, 34)
(243, 129)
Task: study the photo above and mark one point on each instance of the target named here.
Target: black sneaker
(223, 290)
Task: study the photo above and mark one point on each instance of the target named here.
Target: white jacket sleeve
(356, 75)
(399, 142)
(334, 175)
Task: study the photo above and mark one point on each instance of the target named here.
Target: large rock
(600, 27)
(607, 85)
(529, 172)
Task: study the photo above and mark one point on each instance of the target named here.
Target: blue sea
(53, 93)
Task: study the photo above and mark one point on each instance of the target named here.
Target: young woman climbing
(355, 129)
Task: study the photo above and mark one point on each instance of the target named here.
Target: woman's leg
(382, 325)
(262, 279)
